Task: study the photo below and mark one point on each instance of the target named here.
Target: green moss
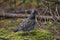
(33, 35)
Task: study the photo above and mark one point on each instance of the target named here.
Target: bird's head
(33, 14)
(33, 11)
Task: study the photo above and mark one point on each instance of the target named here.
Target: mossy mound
(32, 35)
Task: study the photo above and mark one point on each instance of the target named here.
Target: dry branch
(24, 15)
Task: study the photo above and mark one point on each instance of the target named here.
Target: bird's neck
(32, 16)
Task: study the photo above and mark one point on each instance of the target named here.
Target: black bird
(27, 24)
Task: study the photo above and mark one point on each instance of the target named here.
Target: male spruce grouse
(28, 24)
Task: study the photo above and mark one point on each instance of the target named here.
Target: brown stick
(24, 15)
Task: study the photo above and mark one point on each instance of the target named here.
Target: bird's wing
(29, 26)
(23, 24)
(29, 23)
